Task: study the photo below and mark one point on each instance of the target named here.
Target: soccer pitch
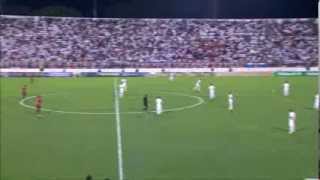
(196, 139)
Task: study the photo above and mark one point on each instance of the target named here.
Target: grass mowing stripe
(118, 124)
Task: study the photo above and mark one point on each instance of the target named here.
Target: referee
(145, 102)
(89, 177)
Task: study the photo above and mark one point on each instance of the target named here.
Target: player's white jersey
(197, 86)
(286, 89)
(158, 105)
(230, 97)
(292, 115)
(124, 82)
(292, 122)
(198, 83)
(158, 101)
(212, 90)
(230, 102)
(121, 89)
(316, 101)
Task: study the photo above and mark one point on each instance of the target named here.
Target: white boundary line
(118, 123)
(200, 101)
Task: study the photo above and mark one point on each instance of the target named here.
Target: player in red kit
(24, 91)
(38, 103)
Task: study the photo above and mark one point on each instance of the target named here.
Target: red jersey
(38, 101)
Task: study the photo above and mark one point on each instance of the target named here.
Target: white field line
(200, 101)
(118, 124)
(22, 103)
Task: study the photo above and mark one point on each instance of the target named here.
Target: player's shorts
(38, 106)
(159, 110)
(121, 91)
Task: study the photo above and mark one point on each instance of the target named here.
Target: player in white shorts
(158, 105)
(212, 91)
(121, 89)
(292, 121)
(197, 86)
(124, 81)
(316, 101)
(286, 88)
(230, 101)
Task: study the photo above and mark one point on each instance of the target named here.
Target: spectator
(30, 42)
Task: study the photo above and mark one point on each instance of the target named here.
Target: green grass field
(202, 142)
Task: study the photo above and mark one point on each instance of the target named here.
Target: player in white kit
(197, 86)
(292, 121)
(124, 81)
(171, 76)
(286, 88)
(230, 102)
(158, 105)
(121, 89)
(212, 91)
(316, 101)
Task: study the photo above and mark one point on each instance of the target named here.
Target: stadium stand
(30, 42)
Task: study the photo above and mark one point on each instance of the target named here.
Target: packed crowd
(31, 42)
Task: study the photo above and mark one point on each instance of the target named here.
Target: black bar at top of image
(171, 8)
